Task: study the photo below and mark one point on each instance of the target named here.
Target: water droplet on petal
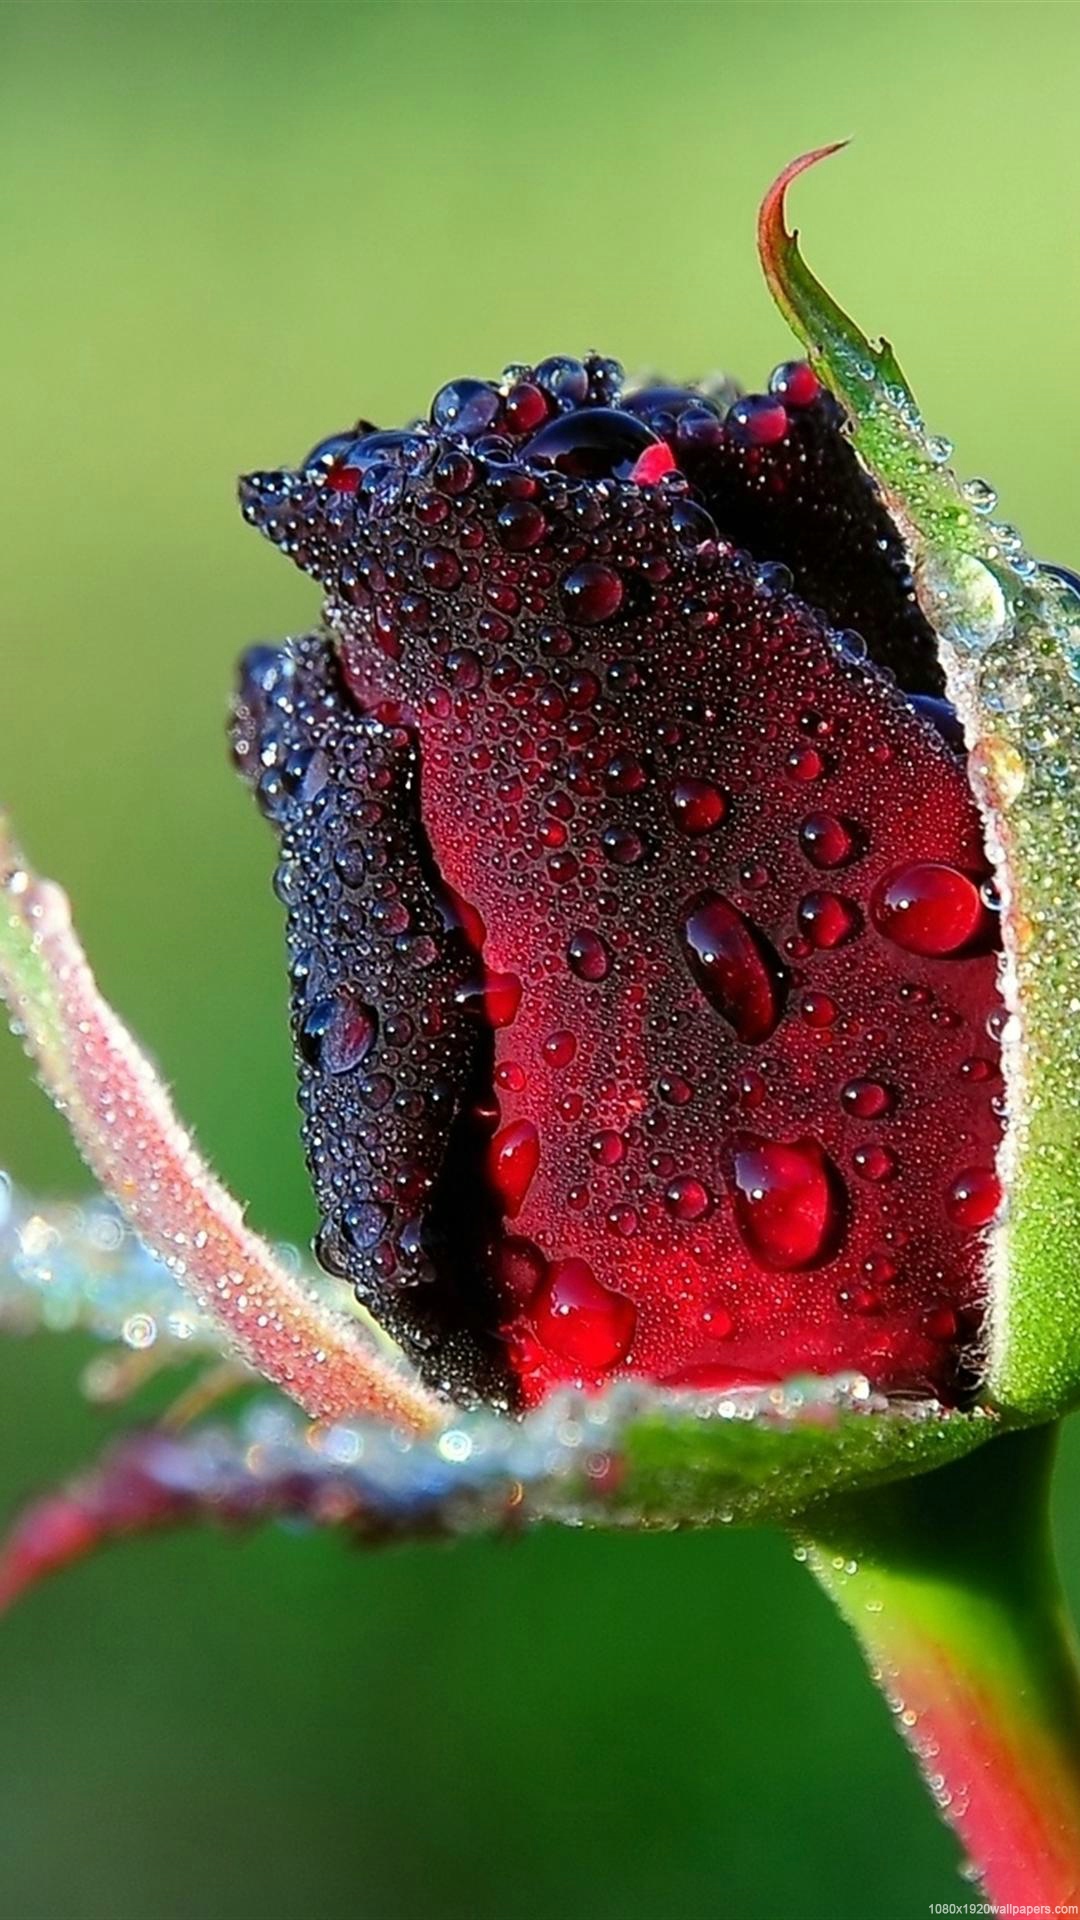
(687, 1198)
(826, 840)
(974, 1197)
(514, 1158)
(591, 593)
(866, 1099)
(827, 919)
(929, 908)
(338, 1031)
(588, 955)
(559, 1048)
(874, 1162)
(733, 963)
(698, 805)
(789, 1202)
(583, 1321)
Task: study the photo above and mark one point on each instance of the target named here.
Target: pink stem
(948, 1580)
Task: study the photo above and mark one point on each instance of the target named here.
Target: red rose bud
(592, 722)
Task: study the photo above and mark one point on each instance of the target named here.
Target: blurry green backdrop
(226, 229)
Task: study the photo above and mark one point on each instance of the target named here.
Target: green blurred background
(226, 230)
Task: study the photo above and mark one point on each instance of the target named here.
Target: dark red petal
(782, 480)
(391, 1012)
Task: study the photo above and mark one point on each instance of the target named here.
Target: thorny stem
(949, 1583)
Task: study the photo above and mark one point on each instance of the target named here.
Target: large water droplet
(874, 1161)
(735, 966)
(580, 1319)
(789, 1202)
(338, 1031)
(867, 1099)
(687, 1198)
(930, 908)
(591, 444)
(588, 955)
(826, 840)
(591, 593)
(559, 1048)
(514, 1158)
(974, 1197)
(698, 805)
(827, 919)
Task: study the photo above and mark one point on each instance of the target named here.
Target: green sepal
(1009, 640)
(700, 1463)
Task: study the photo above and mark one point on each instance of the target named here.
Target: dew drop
(625, 774)
(879, 1268)
(698, 805)
(789, 1202)
(687, 1198)
(752, 1089)
(591, 593)
(826, 840)
(584, 1322)
(866, 1099)
(795, 383)
(440, 568)
(623, 1220)
(338, 1031)
(805, 764)
(980, 495)
(520, 525)
(733, 963)
(622, 846)
(467, 406)
(874, 1162)
(607, 1147)
(974, 1197)
(818, 1010)
(559, 1048)
(364, 1223)
(977, 1069)
(929, 908)
(862, 1300)
(463, 668)
(588, 955)
(827, 919)
(514, 1158)
(592, 444)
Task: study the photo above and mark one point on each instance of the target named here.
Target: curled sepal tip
(129, 1135)
(1008, 632)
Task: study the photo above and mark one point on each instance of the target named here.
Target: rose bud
(643, 941)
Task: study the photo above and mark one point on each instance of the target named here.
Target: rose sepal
(1009, 640)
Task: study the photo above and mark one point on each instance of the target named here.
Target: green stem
(949, 1583)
